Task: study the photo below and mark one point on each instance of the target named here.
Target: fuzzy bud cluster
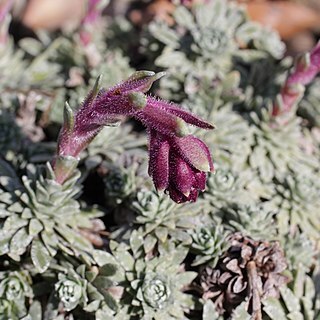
(178, 161)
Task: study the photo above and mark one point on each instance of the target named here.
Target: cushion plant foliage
(190, 191)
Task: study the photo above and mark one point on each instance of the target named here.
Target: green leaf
(35, 226)
(108, 270)
(110, 301)
(209, 311)
(50, 240)
(92, 306)
(68, 118)
(31, 46)
(162, 234)
(14, 222)
(20, 241)
(291, 301)
(40, 256)
(102, 258)
(102, 282)
(136, 241)
(74, 238)
(149, 242)
(179, 254)
(165, 35)
(185, 278)
(184, 18)
(5, 237)
(91, 275)
(35, 310)
(240, 313)
(274, 309)
(125, 259)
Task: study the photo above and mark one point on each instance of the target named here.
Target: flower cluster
(178, 161)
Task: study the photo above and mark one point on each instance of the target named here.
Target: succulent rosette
(15, 289)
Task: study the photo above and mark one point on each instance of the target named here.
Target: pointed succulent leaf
(108, 270)
(241, 313)
(96, 88)
(291, 301)
(51, 241)
(274, 309)
(209, 311)
(91, 275)
(110, 301)
(149, 243)
(136, 242)
(162, 234)
(102, 282)
(35, 226)
(40, 256)
(103, 258)
(5, 237)
(35, 310)
(125, 259)
(14, 222)
(20, 241)
(185, 278)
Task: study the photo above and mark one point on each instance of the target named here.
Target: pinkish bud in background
(5, 19)
(306, 69)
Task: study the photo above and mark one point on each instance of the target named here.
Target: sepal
(64, 166)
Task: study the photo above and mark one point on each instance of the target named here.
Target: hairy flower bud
(178, 161)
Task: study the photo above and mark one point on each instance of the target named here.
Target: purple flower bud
(5, 8)
(182, 177)
(101, 108)
(306, 69)
(159, 161)
(175, 169)
(94, 10)
(194, 151)
(93, 14)
(178, 162)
